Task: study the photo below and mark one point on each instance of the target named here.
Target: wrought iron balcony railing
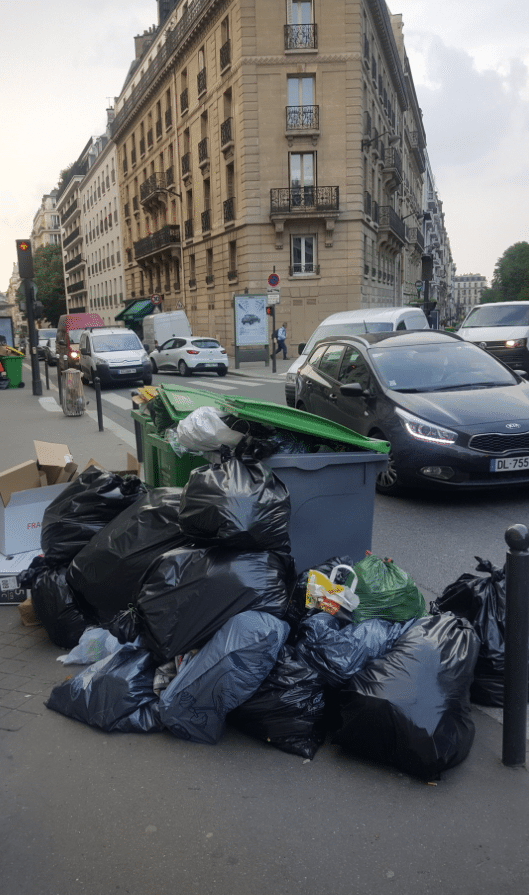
(154, 184)
(389, 220)
(184, 101)
(206, 220)
(188, 228)
(301, 37)
(75, 287)
(71, 238)
(201, 81)
(203, 150)
(225, 55)
(165, 238)
(300, 269)
(229, 210)
(226, 132)
(302, 199)
(303, 117)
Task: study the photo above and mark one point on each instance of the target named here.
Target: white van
(167, 325)
(115, 355)
(502, 328)
(352, 323)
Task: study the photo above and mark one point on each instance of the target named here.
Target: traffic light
(427, 267)
(270, 310)
(25, 259)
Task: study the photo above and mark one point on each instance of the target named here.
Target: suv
(502, 329)
(353, 323)
(113, 354)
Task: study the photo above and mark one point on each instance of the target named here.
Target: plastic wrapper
(338, 651)
(385, 591)
(288, 709)
(106, 574)
(54, 603)
(190, 594)
(94, 644)
(325, 594)
(115, 693)
(411, 708)
(204, 431)
(297, 608)
(224, 673)
(242, 505)
(481, 599)
(85, 506)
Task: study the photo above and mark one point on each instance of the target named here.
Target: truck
(157, 328)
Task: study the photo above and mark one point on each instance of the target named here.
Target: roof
(135, 311)
(394, 338)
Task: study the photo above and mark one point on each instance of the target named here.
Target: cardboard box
(25, 492)
(11, 568)
(133, 467)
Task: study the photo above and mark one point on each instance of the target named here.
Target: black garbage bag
(288, 709)
(107, 573)
(481, 600)
(189, 594)
(115, 693)
(411, 708)
(297, 609)
(224, 673)
(239, 505)
(54, 603)
(338, 650)
(85, 506)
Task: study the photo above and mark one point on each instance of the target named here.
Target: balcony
(67, 214)
(302, 118)
(301, 37)
(418, 151)
(135, 203)
(188, 228)
(225, 55)
(169, 176)
(415, 238)
(186, 165)
(206, 220)
(158, 128)
(142, 146)
(210, 279)
(226, 135)
(232, 275)
(391, 230)
(367, 204)
(392, 169)
(184, 101)
(168, 119)
(164, 242)
(228, 208)
(75, 234)
(75, 262)
(304, 270)
(154, 189)
(201, 81)
(75, 287)
(308, 203)
(203, 154)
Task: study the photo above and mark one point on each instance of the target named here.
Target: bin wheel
(183, 369)
(388, 481)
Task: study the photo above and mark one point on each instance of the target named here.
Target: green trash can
(13, 370)
(166, 468)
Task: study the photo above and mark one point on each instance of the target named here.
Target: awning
(136, 311)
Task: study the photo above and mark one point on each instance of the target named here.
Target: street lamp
(393, 140)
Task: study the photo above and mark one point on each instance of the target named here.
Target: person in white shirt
(281, 343)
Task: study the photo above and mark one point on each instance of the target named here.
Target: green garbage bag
(385, 591)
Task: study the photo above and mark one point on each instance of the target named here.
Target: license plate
(210, 365)
(509, 464)
(127, 371)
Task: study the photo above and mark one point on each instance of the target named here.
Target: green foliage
(510, 281)
(49, 279)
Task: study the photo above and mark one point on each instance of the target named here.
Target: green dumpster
(13, 370)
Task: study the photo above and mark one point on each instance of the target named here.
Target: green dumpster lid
(180, 401)
(299, 421)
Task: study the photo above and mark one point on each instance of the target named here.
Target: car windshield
(116, 342)
(438, 367)
(74, 335)
(496, 315)
(347, 329)
(205, 343)
(45, 334)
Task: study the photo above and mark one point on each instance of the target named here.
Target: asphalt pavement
(91, 813)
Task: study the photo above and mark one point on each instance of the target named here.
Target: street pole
(35, 370)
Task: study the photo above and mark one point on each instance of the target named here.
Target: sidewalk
(88, 812)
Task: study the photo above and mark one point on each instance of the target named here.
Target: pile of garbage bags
(187, 613)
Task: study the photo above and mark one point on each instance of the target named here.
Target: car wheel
(153, 365)
(388, 481)
(300, 406)
(222, 371)
(147, 380)
(183, 369)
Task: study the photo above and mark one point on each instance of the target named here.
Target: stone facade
(46, 224)
(467, 291)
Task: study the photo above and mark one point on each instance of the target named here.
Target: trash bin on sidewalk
(73, 403)
(13, 370)
(163, 467)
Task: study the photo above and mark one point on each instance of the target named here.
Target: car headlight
(101, 361)
(425, 431)
(515, 343)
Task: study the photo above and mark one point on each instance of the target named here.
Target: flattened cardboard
(18, 478)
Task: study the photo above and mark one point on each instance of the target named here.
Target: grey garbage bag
(225, 672)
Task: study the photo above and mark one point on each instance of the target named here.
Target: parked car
(454, 415)
(501, 328)
(42, 339)
(350, 323)
(50, 352)
(192, 355)
(68, 335)
(250, 318)
(113, 354)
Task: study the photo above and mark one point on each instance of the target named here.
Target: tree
(49, 279)
(510, 281)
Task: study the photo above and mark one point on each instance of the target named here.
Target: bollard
(137, 432)
(47, 372)
(516, 646)
(59, 384)
(97, 386)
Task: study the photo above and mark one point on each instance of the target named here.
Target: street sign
(273, 297)
(273, 280)
(156, 299)
(418, 284)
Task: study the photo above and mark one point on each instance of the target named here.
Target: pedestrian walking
(281, 343)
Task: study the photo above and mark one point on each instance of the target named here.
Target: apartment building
(46, 223)
(467, 291)
(69, 210)
(271, 136)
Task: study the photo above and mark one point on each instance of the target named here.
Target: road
(435, 536)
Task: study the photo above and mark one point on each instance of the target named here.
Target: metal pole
(47, 372)
(274, 347)
(59, 383)
(137, 432)
(516, 646)
(32, 335)
(97, 386)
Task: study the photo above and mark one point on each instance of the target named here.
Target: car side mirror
(353, 390)
(301, 347)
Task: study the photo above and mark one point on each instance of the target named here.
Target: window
(300, 91)
(303, 252)
(300, 24)
(353, 368)
(302, 178)
(330, 360)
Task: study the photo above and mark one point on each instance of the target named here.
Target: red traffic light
(269, 310)
(25, 259)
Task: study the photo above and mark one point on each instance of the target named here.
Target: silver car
(190, 355)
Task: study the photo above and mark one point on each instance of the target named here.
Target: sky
(61, 64)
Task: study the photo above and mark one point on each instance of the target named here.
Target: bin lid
(299, 421)
(180, 402)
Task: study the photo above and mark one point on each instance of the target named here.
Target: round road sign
(273, 280)
(156, 299)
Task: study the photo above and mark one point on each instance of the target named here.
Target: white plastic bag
(203, 431)
(94, 644)
(324, 594)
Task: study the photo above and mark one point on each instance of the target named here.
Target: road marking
(126, 436)
(50, 404)
(117, 400)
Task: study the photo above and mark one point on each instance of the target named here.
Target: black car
(455, 416)
(250, 318)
